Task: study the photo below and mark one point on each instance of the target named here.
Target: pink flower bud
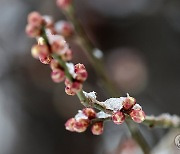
(64, 28)
(138, 115)
(97, 128)
(57, 75)
(34, 18)
(118, 117)
(90, 113)
(67, 56)
(33, 30)
(70, 124)
(69, 91)
(63, 3)
(128, 103)
(81, 72)
(44, 58)
(73, 88)
(54, 64)
(81, 125)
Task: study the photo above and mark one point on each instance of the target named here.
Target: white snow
(102, 114)
(71, 69)
(97, 53)
(90, 95)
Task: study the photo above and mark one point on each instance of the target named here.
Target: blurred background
(141, 45)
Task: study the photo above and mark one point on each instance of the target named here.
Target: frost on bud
(70, 124)
(54, 64)
(32, 30)
(97, 128)
(129, 102)
(57, 75)
(90, 113)
(118, 117)
(81, 125)
(138, 115)
(34, 18)
(67, 56)
(81, 72)
(63, 3)
(64, 28)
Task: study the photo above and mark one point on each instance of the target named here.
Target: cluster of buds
(43, 25)
(84, 119)
(129, 107)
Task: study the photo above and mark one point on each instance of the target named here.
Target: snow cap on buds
(118, 117)
(57, 75)
(89, 112)
(70, 124)
(97, 128)
(48, 21)
(72, 87)
(63, 3)
(128, 102)
(81, 72)
(34, 18)
(64, 28)
(138, 115)
(81, 125)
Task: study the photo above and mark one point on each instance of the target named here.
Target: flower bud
(73, 88)
(137, 115)
(63, 3)
(70, 124)
(81, 72)
(54, 64)
(118, 117)
(97, 128)
(90, 113)
(32, 30)
(34, 18)
(81, 125)
(44, 58)
(64, 28)
(57, 75)
(129, 102)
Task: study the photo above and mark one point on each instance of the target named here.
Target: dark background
(141, 45)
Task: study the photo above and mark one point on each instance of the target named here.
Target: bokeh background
(141, 45)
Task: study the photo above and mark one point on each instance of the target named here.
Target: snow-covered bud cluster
(82, 120)
(64, 28)
(63, 4)
(129, 107)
